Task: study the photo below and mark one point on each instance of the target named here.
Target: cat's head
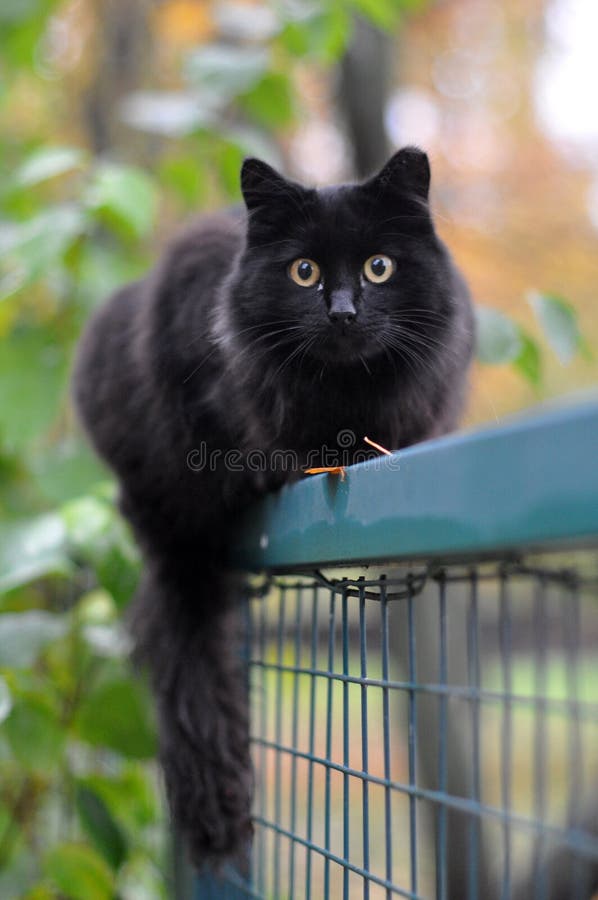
(342, 274)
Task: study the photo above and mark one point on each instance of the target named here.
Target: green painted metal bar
(529, 483)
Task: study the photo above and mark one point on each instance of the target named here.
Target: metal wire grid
(426, 732)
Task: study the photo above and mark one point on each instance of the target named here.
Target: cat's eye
(378, 268)
(304, 272)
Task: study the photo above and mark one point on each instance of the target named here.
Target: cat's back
(200, 256)
(151, 331)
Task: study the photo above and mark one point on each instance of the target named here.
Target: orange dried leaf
(378, 446)
(333, 470)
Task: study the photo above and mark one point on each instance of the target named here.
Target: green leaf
(99, 824)
(5, 700)
(17, 864)
(558, 320)
(97, 608)
(498, 337)
(230, 158)
(107, 640)
(295, 39)
(12, 279)
(33, 377)
(270, 101)
(225, 71)
(13, 11)
(48, 162)
(130, 795)
(186, 177)
(31, 549)
(529, 361)
(98, 535)
(35, 736)
(24, 635)
(125, 197)
(324, 34)
(383, 13)
(40, 891)
(22, 25)
(79, 873)
(90, 523)
(66, 469)
(36, 244)
(116, 714)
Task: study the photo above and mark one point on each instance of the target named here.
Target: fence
(423, 673)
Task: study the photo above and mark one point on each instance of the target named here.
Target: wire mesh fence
(426, 732)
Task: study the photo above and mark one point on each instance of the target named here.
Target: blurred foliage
(501, 340)
(80, 810)
(80, 815)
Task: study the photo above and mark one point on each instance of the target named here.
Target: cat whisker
(216, 339)
(402, 331)
(269, 334)
(434, 313)
(266, 244)
(411, 360)
(428, 341)
(409, 354)
(412, 349)
(251, 346)
(425, 327)
(305, 352)
(389, 356)
(417, 239)
(392, 359)
(286, 362)
(265, 350)
(202, 363)
(365, 365)
(423, 323)
(415, 216)
(265, 325)
(405, 351)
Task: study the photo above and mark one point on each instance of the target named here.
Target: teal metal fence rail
(421, 644)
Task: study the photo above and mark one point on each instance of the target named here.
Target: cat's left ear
(261, 184)
(408, 171)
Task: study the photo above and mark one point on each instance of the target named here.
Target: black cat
(318, 311)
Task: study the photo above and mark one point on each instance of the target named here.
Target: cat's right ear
(261, 184)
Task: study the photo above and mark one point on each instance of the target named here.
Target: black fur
(219, 345)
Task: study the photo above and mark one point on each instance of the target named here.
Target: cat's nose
(341, 318)
(342, 310)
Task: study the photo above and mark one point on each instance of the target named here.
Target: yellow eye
(378, 268)
(304, 272)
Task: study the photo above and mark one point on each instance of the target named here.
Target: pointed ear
(408, 171)
(261, 184)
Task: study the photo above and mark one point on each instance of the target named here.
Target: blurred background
(118, 121)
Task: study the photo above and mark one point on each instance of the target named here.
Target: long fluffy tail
(198, 677)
